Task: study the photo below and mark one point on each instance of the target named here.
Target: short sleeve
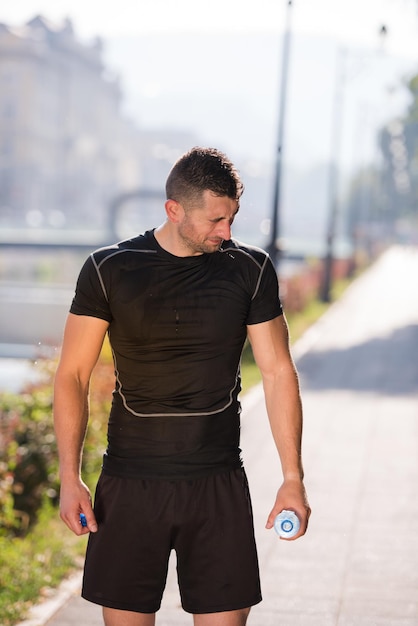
(265, 303)
(90, 295)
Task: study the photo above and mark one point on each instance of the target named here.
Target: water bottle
(287, 524)
(83, 520)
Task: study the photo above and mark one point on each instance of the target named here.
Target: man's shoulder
(140, 243)
(245, 251)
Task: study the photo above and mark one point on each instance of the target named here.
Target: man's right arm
(83, 340)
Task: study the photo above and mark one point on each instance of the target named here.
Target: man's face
(203, 228)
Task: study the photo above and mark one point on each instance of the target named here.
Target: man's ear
(174, 211)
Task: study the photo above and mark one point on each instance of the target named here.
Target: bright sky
(355, 21)
(354, 24)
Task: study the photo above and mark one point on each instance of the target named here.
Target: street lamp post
(336, 137)
(273, 245)
(337, 130)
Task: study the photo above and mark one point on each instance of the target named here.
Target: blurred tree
(399, 176)
(382, 200)
(362, 211)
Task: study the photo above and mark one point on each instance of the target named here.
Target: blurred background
(314, 100)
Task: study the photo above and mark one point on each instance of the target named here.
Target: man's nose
(224, 230)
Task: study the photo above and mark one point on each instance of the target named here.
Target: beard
(198, 246)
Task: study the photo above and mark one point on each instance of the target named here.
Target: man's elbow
(71, 379)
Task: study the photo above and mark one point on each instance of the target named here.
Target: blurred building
(65, 148)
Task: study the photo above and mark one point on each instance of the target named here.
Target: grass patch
(30, 566)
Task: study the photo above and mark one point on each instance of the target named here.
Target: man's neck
(167, 238)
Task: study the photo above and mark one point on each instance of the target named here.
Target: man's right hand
(75, 498)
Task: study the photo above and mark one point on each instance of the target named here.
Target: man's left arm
(270, 345)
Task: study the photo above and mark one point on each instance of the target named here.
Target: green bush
(28, 451)
(28, 458)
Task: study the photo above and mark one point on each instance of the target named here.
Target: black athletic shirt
(177, 326)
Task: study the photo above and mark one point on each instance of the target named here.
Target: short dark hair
(202, 169)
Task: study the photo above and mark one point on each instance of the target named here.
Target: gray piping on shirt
(201, 414)
(261, 267)
(98, 265)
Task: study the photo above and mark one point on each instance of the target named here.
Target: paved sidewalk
(358, 564)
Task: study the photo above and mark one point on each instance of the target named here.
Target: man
(178, 304)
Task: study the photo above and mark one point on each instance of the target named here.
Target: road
(358, 563)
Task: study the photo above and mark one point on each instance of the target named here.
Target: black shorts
(207, 521)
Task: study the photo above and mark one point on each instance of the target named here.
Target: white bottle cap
(287, 524)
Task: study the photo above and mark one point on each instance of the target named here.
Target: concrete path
(358, 564)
